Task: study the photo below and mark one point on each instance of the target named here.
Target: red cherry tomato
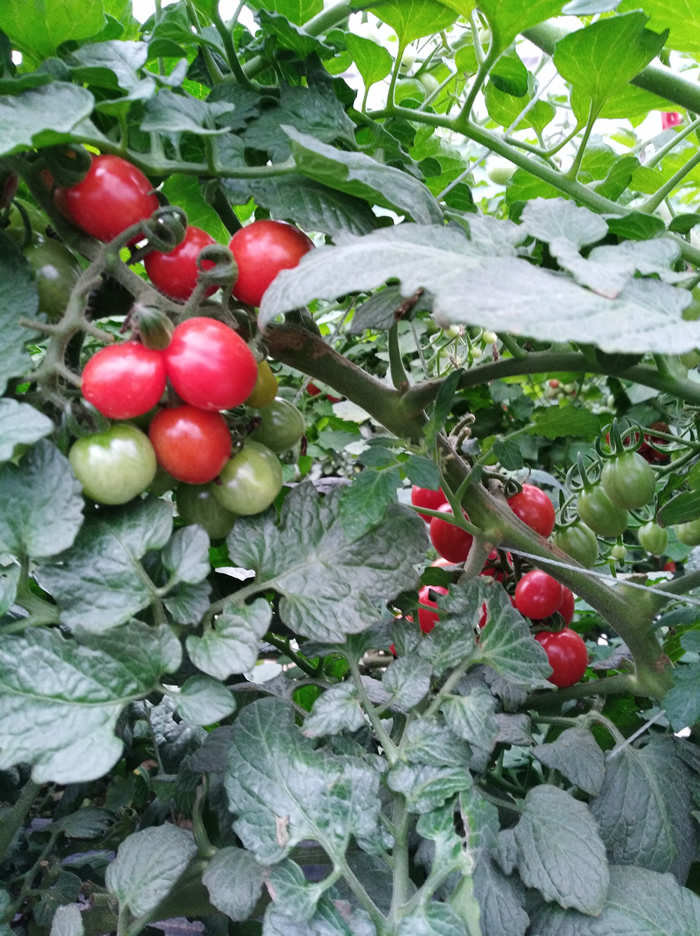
(192, 445)
(112, 196)
(261, 250)
(209, 365)
(538, 595)
(669, 566)
(489, 568)
(568, 604)
(426, 497)
(670, 119)
(567, 655)
(124, 380)
(427, 619)
(175, 273)
(313, 390)
(449, 540)
(534, 508)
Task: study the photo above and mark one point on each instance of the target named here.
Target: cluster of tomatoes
(207, 367)
(537, 596)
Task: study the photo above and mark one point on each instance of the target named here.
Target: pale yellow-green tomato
(250, 481)
(114, 466)
(265, 389)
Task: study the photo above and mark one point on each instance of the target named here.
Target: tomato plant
(192, 445)
(449, 540)
(567, 656)
(124, 380)
(175, 273)
(112, 196)
(209, 365)
(628, 480)
(538, 595)
(196, 504)
(250, 481)
(261, 250)
(534, 508)
(425, 497)
(113, 466)
(281, 426)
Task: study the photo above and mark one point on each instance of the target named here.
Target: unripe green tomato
(629, 481)
(688, 533)
(653, 538)
(57, 271)
(196, 504)
(162, 483)
(429, 82)
(489, 337)
(600, 514)
(499, 170)
(690, 359)
(114, 466)
(619, 551)
(693, 478)
(250, 481)
(265, 389)
(281, 426)
(579, 541)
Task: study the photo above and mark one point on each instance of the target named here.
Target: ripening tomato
(427, 619)
(538, 595)
(124, 380)
(567, 655)
(265, 389)
(568, 604)
(250, 481)
(534, 508)
(192, 445)
(449, 540)
(261, 250)
(113, 466)
(209, 365)
(428, 498)
(176, 273)
(112, 196)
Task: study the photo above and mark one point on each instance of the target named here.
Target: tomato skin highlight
(209, 365)
(428, 619)
(113, 466)
(250, 481)
(538, 595)
(112, 196)
(261, 250)
(449, 540)
(125, 380)
(534, 508)
(567, 655)
(192, 445)
(175, 273)
(428, 498)
(628, 480)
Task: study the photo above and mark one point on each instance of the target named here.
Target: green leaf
(508, 454)
(602, 58)
(67, 921)
(683, 223)
(332, 918)
(501, 900)
(373, 61)
(312, 206)
(43, 116)
(422, 471)
(9, 580)
(407, 681)
(114, 65)
(413, 19)
(234, 880)
(20, 424)
(60, 700)
(297, 11)
(505, 107)
(432, 919)
(644, 809)
(560, 852)
(338, 709)
(98, 583)
(556, 221)
(148, 866)
(231, 646)
(352, 580)
(680, 17)
(50, 24)
(509, 75)
(682, 702)
(186, 192)
(179, 113)
(364, 502)
(378, 312)
(556, 422)
(204, 701)
(481, 281)
(284, 791)
(681, 508)
(41, 508)
(426, 788)
(636, 226)
(507, 20)
(442, 408)
(638, 901)
(19, 298)
(429, 741)
(472, 717)
(577, 756)
(359, 175)
(186, 556)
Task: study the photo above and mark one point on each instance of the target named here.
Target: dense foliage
(350, 480)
